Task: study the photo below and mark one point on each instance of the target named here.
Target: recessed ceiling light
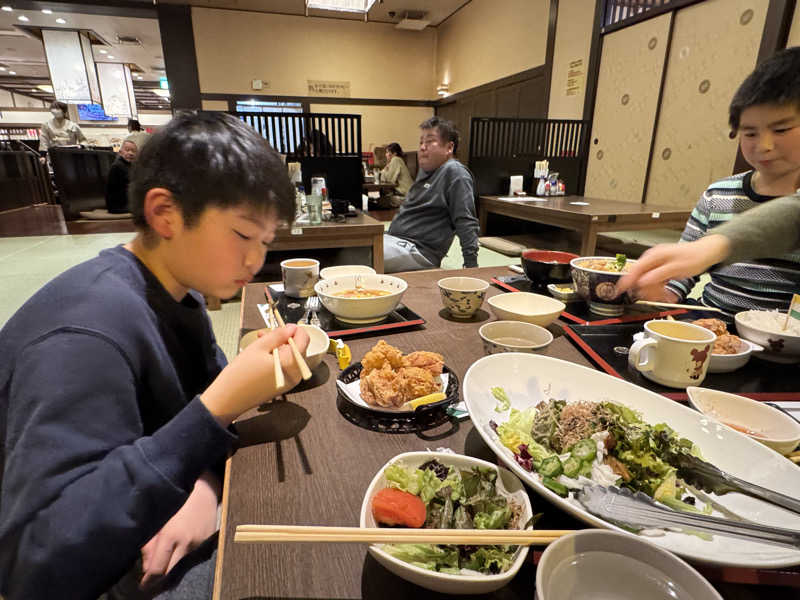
(60, 21)
(47, 11)
(2, 68)
(109, 56)
(7, 8)
(12, 72)
(103, 51)
(23, 18)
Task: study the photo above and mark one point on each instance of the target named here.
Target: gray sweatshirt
(770, 229)
(439, 206)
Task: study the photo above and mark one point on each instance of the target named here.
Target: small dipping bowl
(513, 336)
(462, 296)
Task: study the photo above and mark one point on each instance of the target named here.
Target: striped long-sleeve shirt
(764, 283)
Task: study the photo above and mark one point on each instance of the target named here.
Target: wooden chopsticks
(276, 534)
(305, 372)
(699, 307)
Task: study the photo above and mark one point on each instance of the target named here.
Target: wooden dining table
(301, 462)
(589, 216)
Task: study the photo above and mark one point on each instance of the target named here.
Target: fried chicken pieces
(726, 343)
(389, 379)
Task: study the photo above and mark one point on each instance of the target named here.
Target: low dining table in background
(301, 462)
(589, 216)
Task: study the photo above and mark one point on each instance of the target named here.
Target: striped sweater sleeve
(696, 227)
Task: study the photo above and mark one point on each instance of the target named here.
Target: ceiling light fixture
(357, 6)
(7, 8)
(47, 11)
(103, 51)
(443, 90)
(109, 56)
(12, 72)
(60, 21)
(2, 68)
(23, 18)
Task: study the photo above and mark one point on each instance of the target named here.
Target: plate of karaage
(386, 379)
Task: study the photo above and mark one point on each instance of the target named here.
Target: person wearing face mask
(59, 131)
(119, 177)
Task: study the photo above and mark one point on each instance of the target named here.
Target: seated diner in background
(770, 229)
(765, 111)
(116, 407)
(119, 177)
(395, 172)
(439, 205)
(59, 131)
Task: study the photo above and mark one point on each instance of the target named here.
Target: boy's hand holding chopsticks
(249, 380)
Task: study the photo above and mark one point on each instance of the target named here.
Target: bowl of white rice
(770, 329)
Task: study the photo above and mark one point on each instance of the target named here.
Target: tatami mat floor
(27, 263)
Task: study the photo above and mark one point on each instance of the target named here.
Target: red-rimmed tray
(606, 346)
(292, 310)
(578, 311)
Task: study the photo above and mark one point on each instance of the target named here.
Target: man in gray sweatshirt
(439, 206)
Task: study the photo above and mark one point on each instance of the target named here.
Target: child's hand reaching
(661, 263)
(249, 380)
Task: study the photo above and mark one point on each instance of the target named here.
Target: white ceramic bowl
(513, 336)
(778, 347)
(317, 344)
(361, 310)
(339, 270)
(462, 296)
(593, 564)
(524, 306)
(725, 363)
(773, 428)
(432, 580)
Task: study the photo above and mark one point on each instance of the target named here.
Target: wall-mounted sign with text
(334, 89)
(575, 77)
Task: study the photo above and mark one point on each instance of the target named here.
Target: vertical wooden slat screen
(286, 131)
(618, 11)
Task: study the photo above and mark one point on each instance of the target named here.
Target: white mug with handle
(672, 353)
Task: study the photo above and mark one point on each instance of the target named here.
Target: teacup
(462, 296)
(673, 353)
(299, 276)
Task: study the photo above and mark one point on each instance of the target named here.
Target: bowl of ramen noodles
(771, 329)
(361, 298)
(595, 279)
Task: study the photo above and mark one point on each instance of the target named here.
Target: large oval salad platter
(529, 379)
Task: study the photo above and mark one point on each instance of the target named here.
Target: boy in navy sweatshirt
(115, 399)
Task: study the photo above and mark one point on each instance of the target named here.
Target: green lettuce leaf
(491, 559)
(427, 556)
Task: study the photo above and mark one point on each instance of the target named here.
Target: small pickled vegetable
(554, 486)
(551, 467)
(391, 506)
(571, 467)
(584, 451)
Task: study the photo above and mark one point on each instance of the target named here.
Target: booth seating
(80, 176)
(23, 180)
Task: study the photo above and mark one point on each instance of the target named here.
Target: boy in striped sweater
(765, 112)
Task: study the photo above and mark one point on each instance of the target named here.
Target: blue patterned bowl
(462, 296)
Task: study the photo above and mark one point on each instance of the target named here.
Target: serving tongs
(709, 478)
(637, 511)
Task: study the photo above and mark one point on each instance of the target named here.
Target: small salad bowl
(471, 582)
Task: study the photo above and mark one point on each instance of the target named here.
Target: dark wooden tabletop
(592, 207)
(301, 462)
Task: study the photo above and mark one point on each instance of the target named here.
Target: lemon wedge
(428, 399)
